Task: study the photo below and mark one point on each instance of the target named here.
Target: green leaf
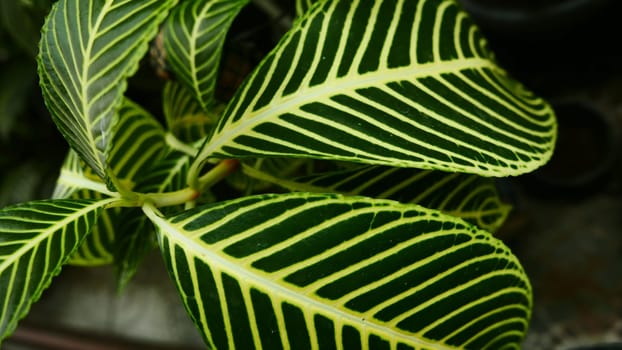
(302, 6)
(194, 35)
(399, 83)
(87, 52)
(306, 271)
(97, 248)
(184, 116)
(135, 239)
(275, 169)
(166, 175)
(137, 143)
(470, 197)
(36, 238)
(73, 174)
(169, 175)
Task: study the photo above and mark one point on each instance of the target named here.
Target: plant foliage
(359, 153)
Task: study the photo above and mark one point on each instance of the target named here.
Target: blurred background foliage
(30, 147)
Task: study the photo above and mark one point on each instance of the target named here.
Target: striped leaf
(170, 174)
(399, 83)
(72, 175)
(184, 116)
(98, 247)
(135, 239)
(274, 168)
(166, 175)
(302, 6)
(194, 36)
(470, 197)
(137, 142)
(87, 51)
(36, 239)
(312, 271)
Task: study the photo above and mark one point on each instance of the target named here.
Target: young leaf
(470, 197)
(137, 142)
(308, 271)
(193, 38)
(399, 83)
(184, 116)
(87, 51)
(36, 238)
(167, 174)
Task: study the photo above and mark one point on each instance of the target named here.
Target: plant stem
(217, 173)
(165, 199)
(168, 199)
(178, 145)
(152, 212)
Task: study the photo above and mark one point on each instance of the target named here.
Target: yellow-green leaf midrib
(221, 263)
(302, 96)
(45, 234)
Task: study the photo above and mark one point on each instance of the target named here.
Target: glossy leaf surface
(137, 143)
(399, 83)
(193, 39)
(309, 271)
(36, 239)
(470, 197)
(87, 51)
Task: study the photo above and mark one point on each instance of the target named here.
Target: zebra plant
(363, 148)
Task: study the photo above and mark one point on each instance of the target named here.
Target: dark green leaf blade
(194, 36)
(87, 51)
(288, 271)
(36, 239)
(398, 83)
(134, 240)
(302, 6)
(137, 143)
(470, 197)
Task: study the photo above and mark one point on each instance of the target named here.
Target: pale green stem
(152, 212)
(74, 180)
(171, 198)
(186, 196)
(178, 145)
(192, 178)
(217, 173)
(122, 186)
(165, 199)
